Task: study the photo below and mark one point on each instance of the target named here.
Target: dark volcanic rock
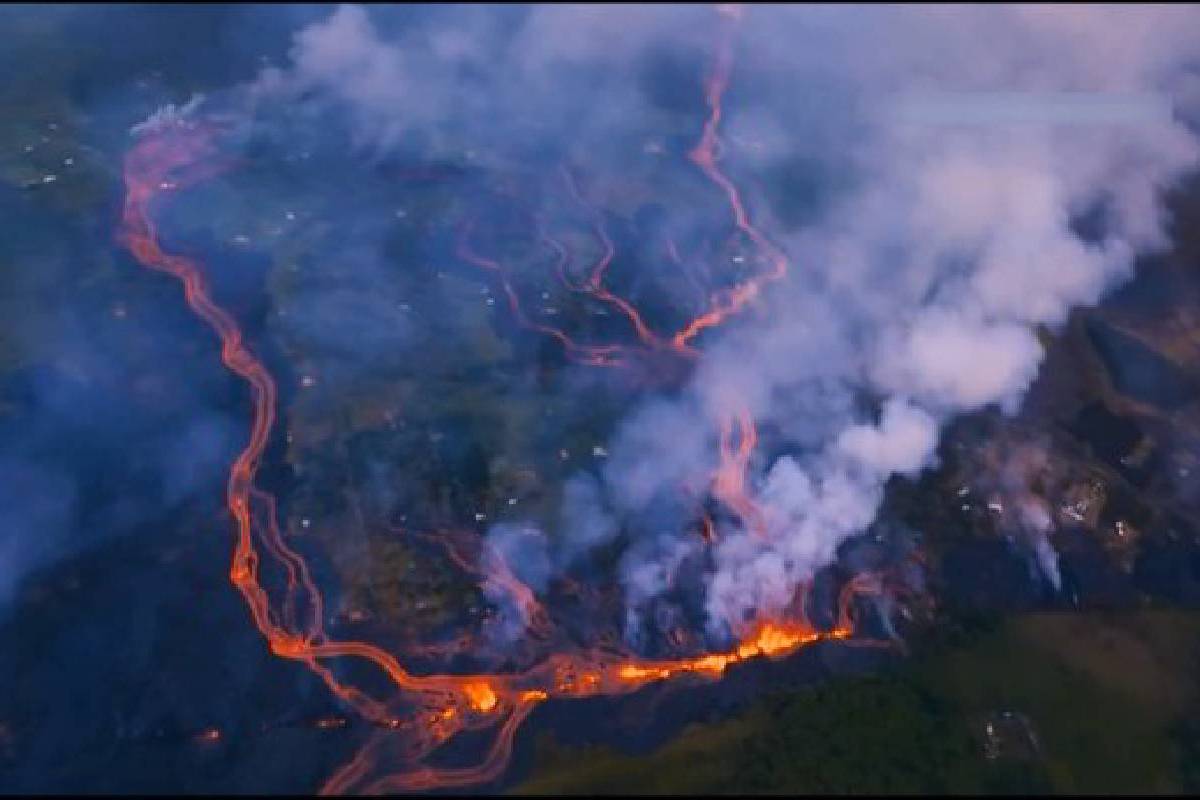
(1170, 570)
(1113, 438)
(1090, 579)
(990, 576)
(1139, 372)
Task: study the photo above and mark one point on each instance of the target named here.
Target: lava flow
(706, 155)
(425, 711)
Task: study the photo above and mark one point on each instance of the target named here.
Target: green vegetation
(396, 588)
(1103, 693)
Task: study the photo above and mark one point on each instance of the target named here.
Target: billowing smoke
(926, 170)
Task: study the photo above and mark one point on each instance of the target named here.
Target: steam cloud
(928, 259)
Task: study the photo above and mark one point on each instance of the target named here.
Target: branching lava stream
(427, 710)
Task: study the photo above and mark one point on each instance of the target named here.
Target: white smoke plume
(168, 115)
(1017, 478)
(937, 249)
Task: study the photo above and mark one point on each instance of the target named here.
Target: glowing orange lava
(706, 154)
(729, 483)
(427, 710)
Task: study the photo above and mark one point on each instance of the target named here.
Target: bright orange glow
(291, 620)
(771, 639)
(480, 695)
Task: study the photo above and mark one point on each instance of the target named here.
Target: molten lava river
(416, 712)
